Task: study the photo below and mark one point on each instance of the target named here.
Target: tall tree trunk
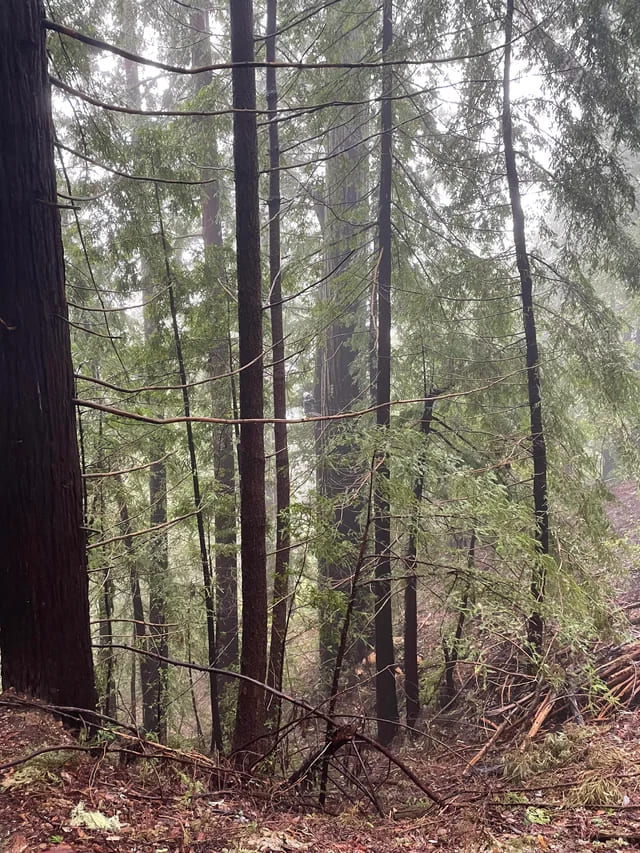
(226, 569)
(105, 669)
(44, 608)
(283, 487)
(216, 731)
(411, 678)
(154, 672)
(451, 649)
(336, 387)
(253, 662)
(386, 696)
(535, 627)
(151, 683)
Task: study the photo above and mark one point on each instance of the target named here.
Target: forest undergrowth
(524, 768)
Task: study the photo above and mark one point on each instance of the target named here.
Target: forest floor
(572, 789)
(80, 803)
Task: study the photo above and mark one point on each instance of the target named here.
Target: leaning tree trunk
(535, 626)
(386, 695)
(253, 661)
(283, 486)
(44, 609)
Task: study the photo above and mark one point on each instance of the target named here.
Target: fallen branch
(494, 737)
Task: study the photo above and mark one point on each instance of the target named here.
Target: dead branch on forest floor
(613, 685)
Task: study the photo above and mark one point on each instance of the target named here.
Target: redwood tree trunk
(44, 610)
(253, 661)
(386, 695)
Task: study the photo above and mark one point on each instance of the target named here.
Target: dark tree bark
(152, 684)
(535, 627)
(105, 670)
(253, 661)
(44, 609)
(451, 649)
(386, 695)
(155, 673)
(411, 677)
(226, 568)
(106, 639)
(283, 487)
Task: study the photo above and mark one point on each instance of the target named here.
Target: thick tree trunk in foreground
(386, 696)
(44, 610)
(535, 627)
(283, 487)
(253, 661)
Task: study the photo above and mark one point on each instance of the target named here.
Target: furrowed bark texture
(44, 610)
(253, 661)
(535, 626)
(386, 695)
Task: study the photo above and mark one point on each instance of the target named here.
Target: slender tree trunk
(253, 662)
(535, 626)
(105, 673)
(44, 609)
(156, 672)
(283, 488)
(226, 569)
(133, 693)
(216, 731)
(451, 649)
(411, 677)
(192, 690)
(106, 639)
(149, 674)
(386, 696)
(344, 633)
